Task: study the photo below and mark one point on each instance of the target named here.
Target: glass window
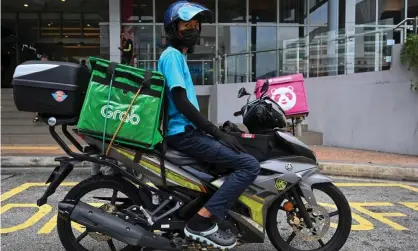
(390, 12)
(162, 5)
(91, 25)
(136, 11)
(292, 11)
(50, 25)
(365, 11)
(200, 62)
(233, 39)
(264, 64)
(263, 11)
(365, 51)
(28, 27)
(71, 25)
(161, 39)
(232, 11)
(8, 48)
(292, 52)
(412, 8)
(104, 41)
(8, 23)
(318, 13)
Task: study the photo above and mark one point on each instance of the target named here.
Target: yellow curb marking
(411, 205)
(41, 212)
(360, 206)
(363, 224)
(23, 187)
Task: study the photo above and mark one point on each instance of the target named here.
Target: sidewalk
(333, 161)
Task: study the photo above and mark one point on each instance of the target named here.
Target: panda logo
(284, 96)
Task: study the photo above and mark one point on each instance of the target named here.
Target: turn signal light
(288, 206)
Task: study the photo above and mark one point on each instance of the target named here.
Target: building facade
(283, 36)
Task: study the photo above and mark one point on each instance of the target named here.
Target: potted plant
(409, 57)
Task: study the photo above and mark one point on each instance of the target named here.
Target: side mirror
(264, 88)
(242, 92)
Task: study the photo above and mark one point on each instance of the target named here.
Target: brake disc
(108, 208)
(320, 221)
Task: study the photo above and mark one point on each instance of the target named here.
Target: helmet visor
(194, 10)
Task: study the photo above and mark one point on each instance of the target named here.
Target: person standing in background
(128, 48)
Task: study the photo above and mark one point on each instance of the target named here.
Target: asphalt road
(385, 214)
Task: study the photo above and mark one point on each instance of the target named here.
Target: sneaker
(214, 237)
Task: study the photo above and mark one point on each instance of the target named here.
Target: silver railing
(328, 53)
(404, 27)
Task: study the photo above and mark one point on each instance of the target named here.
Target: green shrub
(409, 52)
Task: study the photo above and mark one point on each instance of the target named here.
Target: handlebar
(238, 113)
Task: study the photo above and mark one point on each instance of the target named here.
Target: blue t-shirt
(172, 64)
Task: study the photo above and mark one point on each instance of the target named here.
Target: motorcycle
(163, 189)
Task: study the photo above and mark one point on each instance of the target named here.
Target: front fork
(305, 185)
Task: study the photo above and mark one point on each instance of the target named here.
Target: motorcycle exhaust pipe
(97, 220)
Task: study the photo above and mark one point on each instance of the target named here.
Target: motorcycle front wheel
(122, 194)
(305, 238)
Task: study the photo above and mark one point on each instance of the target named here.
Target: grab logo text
(108, 112)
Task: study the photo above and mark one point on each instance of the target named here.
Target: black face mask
(190, 38)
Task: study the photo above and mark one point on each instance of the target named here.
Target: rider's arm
(189, 111)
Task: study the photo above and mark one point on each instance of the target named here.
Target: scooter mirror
(242, 92)
(265, 87)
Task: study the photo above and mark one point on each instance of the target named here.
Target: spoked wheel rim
(80, 238)
(332, 224)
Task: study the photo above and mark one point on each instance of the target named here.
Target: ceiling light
(26, 5)
(88, 25)
(62, 0)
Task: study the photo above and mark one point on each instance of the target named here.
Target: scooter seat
(179, 158)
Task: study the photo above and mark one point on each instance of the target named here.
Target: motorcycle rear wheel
(341, 234)
(64, 228)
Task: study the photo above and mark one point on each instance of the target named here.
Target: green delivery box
(111, 90)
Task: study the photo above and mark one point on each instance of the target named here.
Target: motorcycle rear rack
(67, 163)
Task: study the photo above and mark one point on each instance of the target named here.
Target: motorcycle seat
(179, 158)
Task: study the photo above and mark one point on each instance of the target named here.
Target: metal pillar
(333, 11)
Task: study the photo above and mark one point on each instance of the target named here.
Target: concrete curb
(329, 168)
(370, 171)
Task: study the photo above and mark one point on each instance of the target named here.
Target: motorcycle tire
(64, 227)
(341, 234)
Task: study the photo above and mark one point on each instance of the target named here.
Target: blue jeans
(245, 167)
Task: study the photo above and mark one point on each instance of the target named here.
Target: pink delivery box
(289, 92)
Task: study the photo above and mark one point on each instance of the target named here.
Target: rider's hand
(230, 141)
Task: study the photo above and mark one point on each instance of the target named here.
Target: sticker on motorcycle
(280, 184)
(247, 135)
(59, 96)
